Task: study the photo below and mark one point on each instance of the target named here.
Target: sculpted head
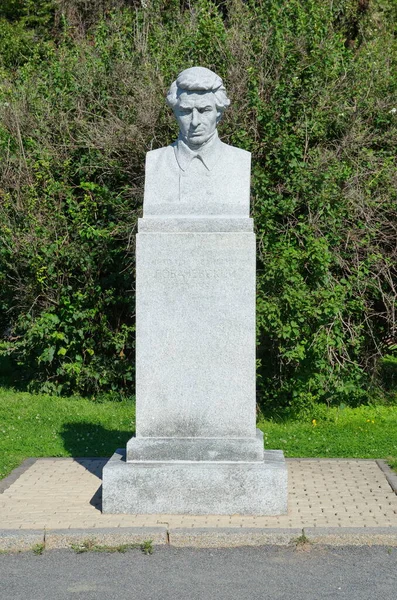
(198, 99)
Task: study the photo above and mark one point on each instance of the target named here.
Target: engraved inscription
(189, 275)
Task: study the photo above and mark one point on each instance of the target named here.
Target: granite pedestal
(196, 487)
(196, 449)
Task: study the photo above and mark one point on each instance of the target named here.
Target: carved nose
(195, 118)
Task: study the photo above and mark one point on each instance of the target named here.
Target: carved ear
(219, 116)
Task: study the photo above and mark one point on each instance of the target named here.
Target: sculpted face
(197, 117)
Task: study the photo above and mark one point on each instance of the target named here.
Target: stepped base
(148, 449)
(194, 487)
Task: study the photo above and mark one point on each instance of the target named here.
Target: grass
(90, 545)
(40, 425)
(302, 540)
(363, 432)
(38, 549)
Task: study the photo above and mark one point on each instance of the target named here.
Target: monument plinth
(196, 450)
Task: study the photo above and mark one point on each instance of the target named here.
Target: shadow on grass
(92, 440)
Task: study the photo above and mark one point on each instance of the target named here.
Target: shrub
(313, 86)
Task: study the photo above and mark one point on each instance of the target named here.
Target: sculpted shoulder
(238, 153)
(154, 156)
(236, 156)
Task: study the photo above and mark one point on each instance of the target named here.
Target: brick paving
(65, 493)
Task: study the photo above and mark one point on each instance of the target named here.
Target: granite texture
(222, 188)
(195, 224)
(197, 488)
(197, 175)
(196, 449)
(195, 335)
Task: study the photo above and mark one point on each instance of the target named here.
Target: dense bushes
(314, 90)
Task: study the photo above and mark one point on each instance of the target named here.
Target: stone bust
(197, 175)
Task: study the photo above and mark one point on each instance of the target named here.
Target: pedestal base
(198, 488)
(148, 449)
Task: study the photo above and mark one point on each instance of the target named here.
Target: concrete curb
(16, 473)
(352, 536)
(230, 537)
(211, 537)
(16, 540)
(64, 538)
(22, 540)
(390, 475)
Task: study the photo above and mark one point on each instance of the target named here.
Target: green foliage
(313, 87)
(388, 367)
(29, 12)
(16, 44)
(38, 549)
(77, 332)
(302, 540)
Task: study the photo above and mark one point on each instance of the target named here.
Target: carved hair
(198, 79)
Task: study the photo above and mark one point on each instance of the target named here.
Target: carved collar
(208, 153)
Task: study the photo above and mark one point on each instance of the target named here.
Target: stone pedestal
(196, 449)
(195, 335)
(196, 487)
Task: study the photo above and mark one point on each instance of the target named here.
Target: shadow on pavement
(96, 500)
(92, 445)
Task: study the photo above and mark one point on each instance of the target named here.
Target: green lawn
(364, 432)
(39, 425)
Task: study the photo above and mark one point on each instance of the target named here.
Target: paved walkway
(65, 494)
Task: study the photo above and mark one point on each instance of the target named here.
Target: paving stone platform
(334, 498)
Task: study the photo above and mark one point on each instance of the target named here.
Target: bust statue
(196, 449)
(197, 175)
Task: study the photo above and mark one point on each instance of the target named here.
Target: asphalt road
(352, 573)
